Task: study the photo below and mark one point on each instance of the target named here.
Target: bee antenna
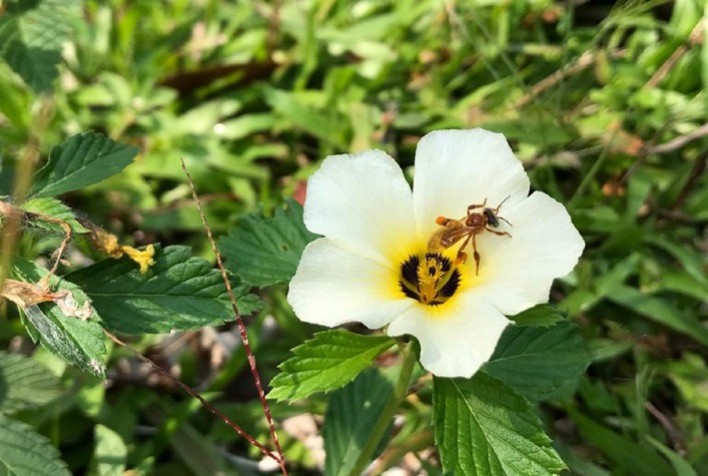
(496, 210)
(507, 221)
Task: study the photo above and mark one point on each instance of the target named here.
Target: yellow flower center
(430, 278)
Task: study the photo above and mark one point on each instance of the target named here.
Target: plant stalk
(399, 393)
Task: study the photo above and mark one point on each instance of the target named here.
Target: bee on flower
(398, 258)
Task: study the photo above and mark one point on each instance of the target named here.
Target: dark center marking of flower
(430, 279)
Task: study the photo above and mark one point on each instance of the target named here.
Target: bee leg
(461, 258)
(461, 255)
(477, 257)
(442, 221)
(500, 233)
(475, 206)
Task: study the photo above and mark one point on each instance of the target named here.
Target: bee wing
(447, 236)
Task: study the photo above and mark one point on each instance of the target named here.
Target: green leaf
(351, 413)
(53, 208)
(179, 292)
(543, 315)
(326, 362)
(24, 452)
(302, 114)
(25, 384)
(681, 466)
(483, 427)
(540, 364)
(584, 299)
(16, 7)
(626, 454)
(691, 261)
(202, 456)
(263, 250)
(690, 376)
(80, 342)
(110, 453)
(80, 161)
(674, 280)
(31, 38)
(660, 311)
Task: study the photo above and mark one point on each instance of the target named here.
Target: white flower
(382, 262)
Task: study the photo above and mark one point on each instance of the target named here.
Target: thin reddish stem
(240, 323)
(196, 395)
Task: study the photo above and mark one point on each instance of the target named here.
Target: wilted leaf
(78, 338)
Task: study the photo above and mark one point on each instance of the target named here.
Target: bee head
(492, 219)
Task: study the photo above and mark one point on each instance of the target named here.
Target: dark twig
(679, 142)
(671, 430)
(239, 322)
(585, 60)
(699, 166)
(694, 38)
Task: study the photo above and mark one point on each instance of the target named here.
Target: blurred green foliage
(605, 105)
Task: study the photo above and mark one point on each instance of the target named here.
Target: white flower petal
(516, 273)
(333, 286)
(457, 168)
(456, 339)
(362, 203)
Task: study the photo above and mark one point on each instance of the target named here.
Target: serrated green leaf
(351, 413)
(24, 452)
(540, 363)
(31, 38)
(483, 427)
(80, 161)
(53, 208)
(25, 384)
(265, 251)
(109, 454)
(179, 292)
(328, 361)
(628, 455)
(543, 315)
(80, 342)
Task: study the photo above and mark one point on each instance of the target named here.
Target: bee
(467, 227)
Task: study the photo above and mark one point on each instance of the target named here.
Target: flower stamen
(430, 279)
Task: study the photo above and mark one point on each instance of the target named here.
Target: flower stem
(382, 425)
